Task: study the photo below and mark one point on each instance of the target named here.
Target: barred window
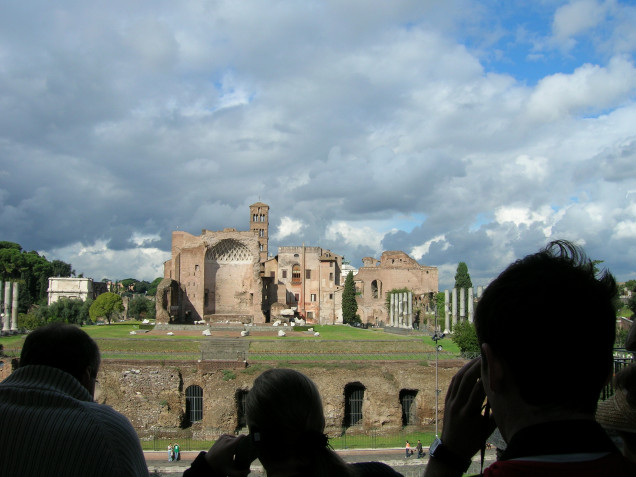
(194, 403)
(354, 396)
(407, 401)
(241, 397)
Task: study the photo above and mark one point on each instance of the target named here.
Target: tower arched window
(296, 274)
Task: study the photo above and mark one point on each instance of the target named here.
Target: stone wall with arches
(383, 397)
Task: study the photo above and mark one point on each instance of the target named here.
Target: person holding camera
(286, 435)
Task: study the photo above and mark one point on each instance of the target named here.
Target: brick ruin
(153, 396)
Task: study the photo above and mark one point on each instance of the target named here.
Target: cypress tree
(462, 278)
(349, 304)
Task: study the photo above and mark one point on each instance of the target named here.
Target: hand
(463, 431)
(220, 457)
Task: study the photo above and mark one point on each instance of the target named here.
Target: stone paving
(159, 466)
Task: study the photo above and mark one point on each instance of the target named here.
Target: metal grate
(194, 403)
(241, 397)
(407, 400)
(354, 395)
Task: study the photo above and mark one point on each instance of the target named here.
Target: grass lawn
(334, 343)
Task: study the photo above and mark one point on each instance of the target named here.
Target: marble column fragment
(446, 312)
(454, 306)
(391, 307)
(14, 309)
(409, 303)
(462, 304)
(471, 301)
(1, 302)
(7, 301)
(401, 301)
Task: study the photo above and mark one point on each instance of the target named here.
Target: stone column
(1, 302)
(409, 303)
(471, 300)
(446, 312)
(454, 304)
(462, 304)
(480, 291)
(391, 306)
(14, 309)
(401, 308)
(7, 300)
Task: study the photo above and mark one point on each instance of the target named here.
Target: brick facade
(394, 270)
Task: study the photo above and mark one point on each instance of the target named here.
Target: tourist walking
(409, 452)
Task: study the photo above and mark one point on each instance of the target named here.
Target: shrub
(30, 321)
(465, 336)
(228, 375)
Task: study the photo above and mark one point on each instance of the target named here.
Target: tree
(140, 307)
(31, 270)
(106, 305)
(462, 278)
(349, 304)
(440, 300)
(152, 290)
(465, 336)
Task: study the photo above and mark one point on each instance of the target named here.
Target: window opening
(241, 398)
(296, 274)
(354, 396)
(194, 403)
(407, 401)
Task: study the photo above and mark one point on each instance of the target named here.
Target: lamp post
(437, 335)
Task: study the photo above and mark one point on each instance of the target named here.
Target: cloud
(366, 126)
(355, 236)
(419, 251)
(575, 18)
(590, 89)
(288, 227)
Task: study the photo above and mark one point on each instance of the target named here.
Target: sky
(453, 130)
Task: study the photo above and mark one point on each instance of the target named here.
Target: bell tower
(259, 224)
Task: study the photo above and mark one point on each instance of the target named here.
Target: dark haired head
(64, 347)
(552, 321)
(285, 403)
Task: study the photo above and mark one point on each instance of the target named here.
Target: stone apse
(212, 277)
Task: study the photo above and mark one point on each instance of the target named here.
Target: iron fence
(622, 359)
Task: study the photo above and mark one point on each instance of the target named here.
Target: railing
(347, 438)
(622, 359)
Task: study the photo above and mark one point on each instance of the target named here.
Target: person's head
(551, 321)
(65, 347)
(284, 407)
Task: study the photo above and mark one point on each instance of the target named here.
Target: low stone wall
(152, 396)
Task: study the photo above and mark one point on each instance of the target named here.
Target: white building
(71, 288)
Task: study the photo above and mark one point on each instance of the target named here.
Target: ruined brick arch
(376, 289)
(229, 251)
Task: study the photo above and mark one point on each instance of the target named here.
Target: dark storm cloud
(365, 127)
